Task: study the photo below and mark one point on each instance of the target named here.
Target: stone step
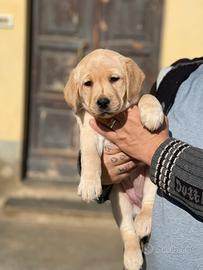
(50, 205)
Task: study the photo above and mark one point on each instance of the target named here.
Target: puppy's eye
(114, 79)
(88, 83)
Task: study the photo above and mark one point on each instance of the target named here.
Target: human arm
(177, 170)
(176, 167)
(130, 136)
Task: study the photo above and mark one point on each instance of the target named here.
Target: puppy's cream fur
(107, 74)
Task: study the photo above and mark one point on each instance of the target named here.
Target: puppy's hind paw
(89, 191)
(143, 224)
(133, 259)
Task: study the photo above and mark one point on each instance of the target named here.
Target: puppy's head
(104, 83)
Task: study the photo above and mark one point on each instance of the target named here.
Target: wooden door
(62, 31)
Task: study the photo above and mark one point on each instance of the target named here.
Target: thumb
(103, 130)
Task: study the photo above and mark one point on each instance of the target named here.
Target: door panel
(133, 31)
(60, 17)
(63, 31)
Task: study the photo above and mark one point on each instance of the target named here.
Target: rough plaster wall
(182, 30)
(12, 71)
(12, 87)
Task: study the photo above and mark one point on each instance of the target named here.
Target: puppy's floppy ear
(135, 78)
(71, 92)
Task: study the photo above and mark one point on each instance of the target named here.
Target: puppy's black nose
(103, 103)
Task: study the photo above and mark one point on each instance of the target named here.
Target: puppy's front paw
(152, 118)
(89, 191)
(133, 259)
(151, 113)
(143, 224)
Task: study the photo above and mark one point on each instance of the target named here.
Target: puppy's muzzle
(103, 103)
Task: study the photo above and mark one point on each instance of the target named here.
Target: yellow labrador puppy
(102, 85)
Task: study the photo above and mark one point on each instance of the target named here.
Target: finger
(109, 178)
(119, 159)
(103, 130)
(115, 179)
(125, 168)
(130, 176)
(111, 149)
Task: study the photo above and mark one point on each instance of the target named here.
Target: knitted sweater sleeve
(177, 170)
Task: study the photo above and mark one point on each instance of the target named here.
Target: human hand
(116, 165)
(130, 136)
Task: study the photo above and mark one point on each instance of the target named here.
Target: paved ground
(49, 231)
(31, 240)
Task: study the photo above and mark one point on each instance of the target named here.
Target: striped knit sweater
(177, 170)
(176, 240)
